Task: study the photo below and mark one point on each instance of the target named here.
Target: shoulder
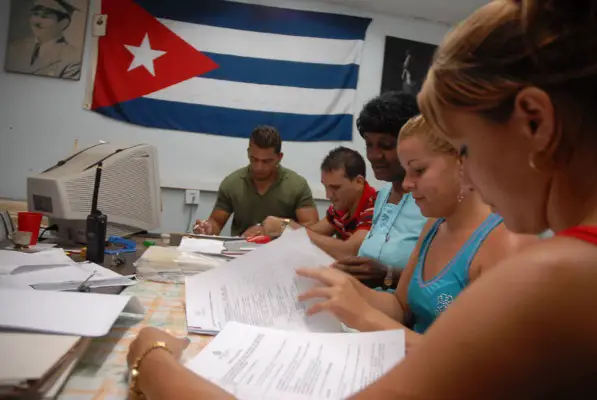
(500, 244)
(429, 224)
(384, 191)
(558, 268)
(503, 242)
(234, 178)
(69, 52)
(366, 212)
(540, 301)
(293, 177)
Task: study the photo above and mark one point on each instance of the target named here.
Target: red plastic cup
(30, 222)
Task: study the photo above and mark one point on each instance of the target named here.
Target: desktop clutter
(242, 293)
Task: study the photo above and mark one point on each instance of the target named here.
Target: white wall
(41, 117)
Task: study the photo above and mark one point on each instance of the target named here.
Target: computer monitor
(129, 192)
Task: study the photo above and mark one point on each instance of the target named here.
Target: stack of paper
(259, 288)
(53, 270)
(37, 365)
(204, 246)
(11, 260)
(169, 264)
(68, 313)
(263, 363)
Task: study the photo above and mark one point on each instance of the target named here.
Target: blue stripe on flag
(230, 122)
(257, 18)
(283, 73)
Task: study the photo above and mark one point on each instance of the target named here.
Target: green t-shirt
(237, 195)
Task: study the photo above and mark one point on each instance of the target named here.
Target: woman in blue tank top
(462, 239)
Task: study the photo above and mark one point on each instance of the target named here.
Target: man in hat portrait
(46, 52)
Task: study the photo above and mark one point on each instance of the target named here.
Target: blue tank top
(427, 299)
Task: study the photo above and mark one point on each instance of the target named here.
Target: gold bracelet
(135, 392)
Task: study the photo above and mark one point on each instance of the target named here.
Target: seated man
(263, 188)
(349, 217)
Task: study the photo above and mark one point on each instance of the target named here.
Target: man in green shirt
(260, 189)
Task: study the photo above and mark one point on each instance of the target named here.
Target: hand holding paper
(341, 295)
(260, 288)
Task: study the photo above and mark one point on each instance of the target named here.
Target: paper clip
(83, 287)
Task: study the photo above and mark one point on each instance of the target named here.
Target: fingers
(353, 261)
(316, 292)
(317, 308)
(328, 276)
(202, 227)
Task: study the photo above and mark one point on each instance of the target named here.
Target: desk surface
(102, 372)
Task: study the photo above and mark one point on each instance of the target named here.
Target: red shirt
(345, 223)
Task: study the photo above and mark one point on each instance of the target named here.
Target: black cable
(52, 227)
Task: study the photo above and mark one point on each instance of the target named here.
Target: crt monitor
(129, 192)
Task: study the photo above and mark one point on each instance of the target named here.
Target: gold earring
(461, 194)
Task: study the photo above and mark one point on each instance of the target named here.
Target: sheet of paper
(259, 288)
(263, 363)
(204, 246)
(68, 313)
(28, 356)
(51, 387)
(63, 277)
(17, 262)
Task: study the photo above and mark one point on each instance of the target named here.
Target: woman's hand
(341, 296)
(148, 337)
(369, 271)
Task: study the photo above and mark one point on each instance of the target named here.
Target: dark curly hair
(387, 113)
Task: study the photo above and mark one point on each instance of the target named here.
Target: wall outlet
(191, 196)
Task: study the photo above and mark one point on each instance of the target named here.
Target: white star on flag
(144, 55)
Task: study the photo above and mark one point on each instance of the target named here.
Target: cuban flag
(223, 67)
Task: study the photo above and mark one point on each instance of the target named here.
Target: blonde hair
(418, 127)
(508, 45)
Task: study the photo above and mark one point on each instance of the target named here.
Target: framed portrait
(46, 37)
(405, 66)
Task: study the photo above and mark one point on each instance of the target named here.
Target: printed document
(260, 288)
(263, 363)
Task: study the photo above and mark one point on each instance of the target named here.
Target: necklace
(397, 213)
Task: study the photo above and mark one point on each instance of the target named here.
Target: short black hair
(387, 113)
(343, 157)
(266, 137)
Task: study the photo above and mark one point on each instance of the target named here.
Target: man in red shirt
(349, 218)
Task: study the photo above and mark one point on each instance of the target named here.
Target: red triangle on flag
(139, 55)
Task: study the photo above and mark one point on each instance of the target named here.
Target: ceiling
(444, 11)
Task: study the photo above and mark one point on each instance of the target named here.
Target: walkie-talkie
(96, 225)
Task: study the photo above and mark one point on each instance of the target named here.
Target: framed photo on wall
(405, 66)
(46, 37)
